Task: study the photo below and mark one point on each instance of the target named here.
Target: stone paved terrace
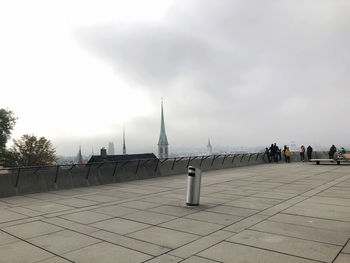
(297, 212)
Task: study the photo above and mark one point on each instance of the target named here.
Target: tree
(7, 122)
(31, 151)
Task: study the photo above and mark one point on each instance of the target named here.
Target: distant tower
(110, 148)
(163, 140)
(209, 148)
(124, 148)
(79, 156)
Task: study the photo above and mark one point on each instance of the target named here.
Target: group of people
(333, 150)
(274, 153)
(308, 152)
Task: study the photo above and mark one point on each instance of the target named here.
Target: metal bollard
(193, 186)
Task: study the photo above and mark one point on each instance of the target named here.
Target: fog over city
(243, 73)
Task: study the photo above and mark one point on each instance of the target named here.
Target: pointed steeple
(124, 148)
(163, 140)
(209, 145)
(209, 148)
(163, 151)
(79, 156)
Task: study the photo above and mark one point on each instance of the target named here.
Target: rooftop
(297, 212)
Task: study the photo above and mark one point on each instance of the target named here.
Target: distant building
(79, 156)
(209, 148)
(163, 151)
(111, 148)
(124, 148)
(121, 157)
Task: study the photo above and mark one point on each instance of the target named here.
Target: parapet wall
(25, 180)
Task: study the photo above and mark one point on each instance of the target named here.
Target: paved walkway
(264, 213)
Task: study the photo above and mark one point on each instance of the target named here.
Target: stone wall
(25, 180)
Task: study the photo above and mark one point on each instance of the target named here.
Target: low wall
(25, 180)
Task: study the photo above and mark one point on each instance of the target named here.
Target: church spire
(209, 148)
(124, 148)
(163, 140)
(79, 156)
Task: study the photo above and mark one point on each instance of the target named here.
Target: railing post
(212, 162)
(250, 156)
(56, 176)
(137, 167)
(257, 156)
(88, 172)
(172, 167)
(155, 170)
(242, 157)
(17, 179)
(115, 168)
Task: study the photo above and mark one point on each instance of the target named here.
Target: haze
(244, 73)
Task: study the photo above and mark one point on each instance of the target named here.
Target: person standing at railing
(288, 154)
(332, 151)
(267, 153)
(302, 153)
(284, 152)
(309, 152)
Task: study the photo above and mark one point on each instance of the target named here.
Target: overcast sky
(242, 72)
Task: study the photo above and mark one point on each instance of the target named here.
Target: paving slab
(229, 252)
(232, 210)
(106, 253)
(120, 226)
(20, 252)
(132, 243)
(115, 210)
(192, 226)
(63, 241)
(173, 210)
(148, 217)
(78, 227)
(346, 249)
(303, 232)
(246, 223)
(6, 238)
(328, 211)
(332, 225)
(288, 245)
(254, 203)
(141, 205)
(343, 258)
(196, 259)
(75, 202)
(31, 229)
(86, 217)
(164, 237)
(216, 218)
(54, 260)
(200, 244)
(165, 258)
(7, 215)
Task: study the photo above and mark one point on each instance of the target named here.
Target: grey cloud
(235, 69)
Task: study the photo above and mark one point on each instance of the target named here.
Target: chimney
(103, 153)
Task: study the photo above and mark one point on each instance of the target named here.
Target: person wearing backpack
(288, 154)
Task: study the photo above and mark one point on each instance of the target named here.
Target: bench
(346, 155)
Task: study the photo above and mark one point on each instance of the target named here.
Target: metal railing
(139, 164)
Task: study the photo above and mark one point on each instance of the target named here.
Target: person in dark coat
(332, 151)
(273, 152)
(284, 152)
(309, 152)
(267, 153)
